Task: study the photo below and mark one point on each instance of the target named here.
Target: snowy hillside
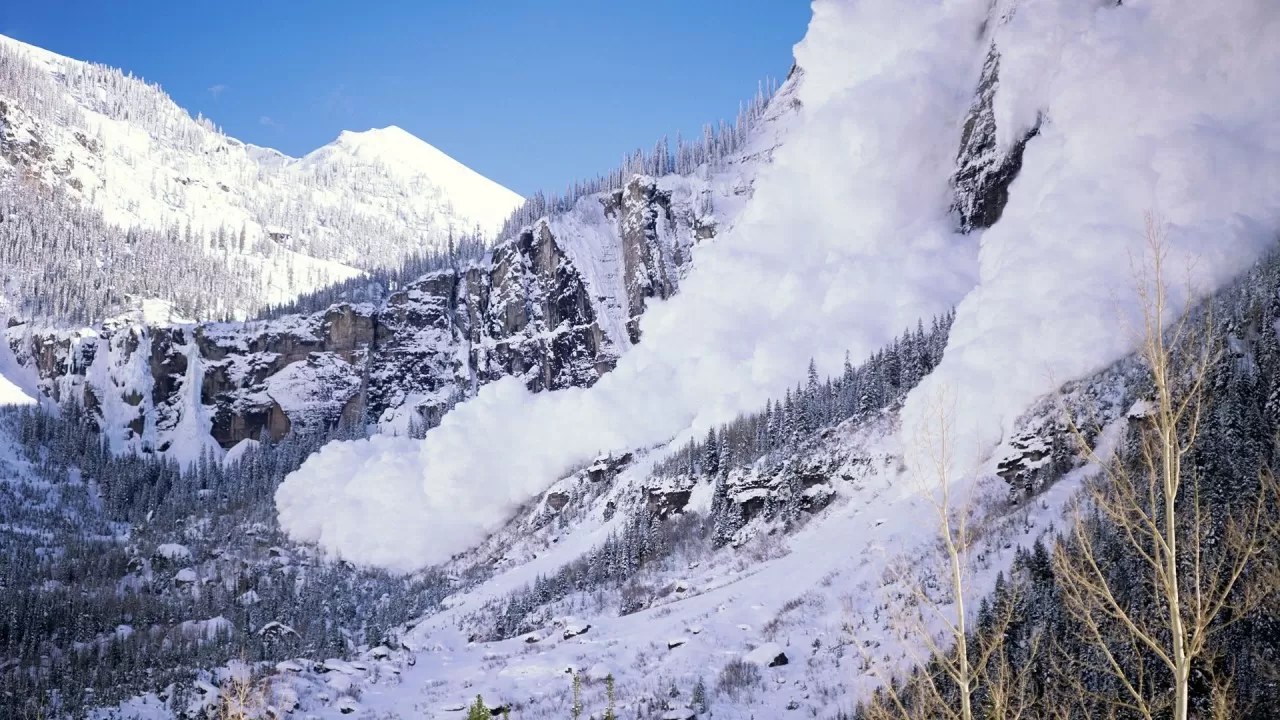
(113, 143)
(946, 154)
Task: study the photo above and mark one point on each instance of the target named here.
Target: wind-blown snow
(1160, 106)
(846, 243)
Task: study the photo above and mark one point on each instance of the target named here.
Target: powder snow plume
(1149, 106)
(846, 243)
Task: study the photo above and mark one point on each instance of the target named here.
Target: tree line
(95, 610)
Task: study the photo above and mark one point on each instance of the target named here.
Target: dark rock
(665, 503)
(983, 173)
(557, 500)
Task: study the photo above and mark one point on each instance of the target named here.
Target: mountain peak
(390, 133)
(471, 194)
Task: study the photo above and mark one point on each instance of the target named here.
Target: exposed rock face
(666, 502)
(644, 212)
(526, 311)
(984, 171)
(537, 320)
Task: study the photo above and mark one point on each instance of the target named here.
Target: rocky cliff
(548, 306)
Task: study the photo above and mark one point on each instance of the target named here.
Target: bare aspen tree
(1153, 503)
(971, 667)
(241, 699)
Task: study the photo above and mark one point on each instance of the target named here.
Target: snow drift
(846, 242)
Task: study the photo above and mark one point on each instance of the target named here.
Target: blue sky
(531, 94)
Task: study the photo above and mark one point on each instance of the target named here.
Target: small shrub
(738, 679)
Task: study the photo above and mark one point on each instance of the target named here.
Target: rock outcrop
(984, 170)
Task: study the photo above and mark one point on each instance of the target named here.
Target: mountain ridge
(118, 146)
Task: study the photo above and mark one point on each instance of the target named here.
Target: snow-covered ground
(826, 598)
(843, 241)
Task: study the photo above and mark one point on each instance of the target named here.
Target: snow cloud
(1165, 106)
(1160, 106)
(846, 243)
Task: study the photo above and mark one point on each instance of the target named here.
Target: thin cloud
(217, 90)
(266, 121)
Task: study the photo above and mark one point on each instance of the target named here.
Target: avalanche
(848, 241)
(1158, 107)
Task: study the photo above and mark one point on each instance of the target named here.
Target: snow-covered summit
(471, 195)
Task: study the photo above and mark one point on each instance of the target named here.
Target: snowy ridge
(425, 170)
(123, 147)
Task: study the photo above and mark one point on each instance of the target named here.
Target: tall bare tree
(962, 674)
(1154, 503)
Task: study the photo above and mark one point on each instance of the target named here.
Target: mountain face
(552, 306)
(555, 305)
(119, 147)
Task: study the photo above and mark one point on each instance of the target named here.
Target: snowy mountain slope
(123, 147)
(969, 151)
(633, 247)
(430, 179)
(1181, 138)
(814, 591)
(552, 306)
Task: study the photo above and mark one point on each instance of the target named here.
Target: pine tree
(711, 454)
(609, 712)
(478, 710)
(577, 697)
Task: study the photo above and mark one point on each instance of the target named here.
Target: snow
(477, 199)
(161, 168)
(239, 450)
(12, 394)
(17, 383)
(1184, 133)
(764, 654)
(845, 243)
(174, 552)
(207, 629)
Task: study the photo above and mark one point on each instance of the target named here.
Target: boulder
(767, 655)
(557, 500)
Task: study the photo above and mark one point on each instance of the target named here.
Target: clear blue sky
(531, 94)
